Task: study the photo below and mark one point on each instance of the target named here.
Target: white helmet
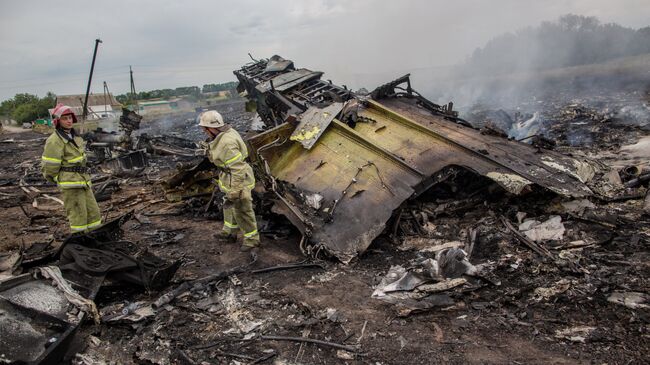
(211, 119)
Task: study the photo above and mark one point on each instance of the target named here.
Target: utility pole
(133, 94)
(90, 78)
(106, 94)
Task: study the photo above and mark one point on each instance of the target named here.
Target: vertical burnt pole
(90, 78)
(133, 97)
(132, 84)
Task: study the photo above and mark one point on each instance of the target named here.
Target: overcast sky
(47, 45)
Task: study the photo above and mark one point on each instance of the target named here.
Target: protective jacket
(228, 152)
(64, 160)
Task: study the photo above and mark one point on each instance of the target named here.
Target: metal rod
(310, 340)
(90, 77)
(296, 265)
(106, 92)
(134, 96)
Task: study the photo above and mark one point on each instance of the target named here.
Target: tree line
(194, 92)
(570, 40)
(25, 108)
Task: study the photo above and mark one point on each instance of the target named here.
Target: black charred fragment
(37, 325)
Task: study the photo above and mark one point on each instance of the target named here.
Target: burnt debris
(362, 156)
(455, 231)
(41, 311)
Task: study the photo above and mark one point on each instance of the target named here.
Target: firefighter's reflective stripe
(223, 187)
(230, 225)
(50, 160)
(250, 234)
(86, 226)
(231, 160)
(95, 223)
(72, 184)
(76, 159)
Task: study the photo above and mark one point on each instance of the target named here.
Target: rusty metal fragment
(190, 180)
(377, 152)
(313, 123)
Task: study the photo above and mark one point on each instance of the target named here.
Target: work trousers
(238, 215)
(81, 208)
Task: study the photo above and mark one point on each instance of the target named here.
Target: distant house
(157, 106)
(99, 105)
(160, 106)
(219, 94)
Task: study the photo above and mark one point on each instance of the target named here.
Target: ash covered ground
(590, 306)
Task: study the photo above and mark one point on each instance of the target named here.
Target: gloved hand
(203, 149)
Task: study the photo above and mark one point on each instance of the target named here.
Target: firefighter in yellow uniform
(64, 163)
(228, 152)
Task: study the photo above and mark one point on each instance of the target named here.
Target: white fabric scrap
(551, 229)
(84, 304)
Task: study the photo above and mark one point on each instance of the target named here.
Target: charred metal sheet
(288, 80)
(313, 123)
(129, 121)
(127, 164)
(191, 180)
(380, 152)
(104, 252)
(103, 143)
(292, 92)
(166, 145)
(277, 64)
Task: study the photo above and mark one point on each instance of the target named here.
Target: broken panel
(352, 160)
(313, 123)
(130, 163)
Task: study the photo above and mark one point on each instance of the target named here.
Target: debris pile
(364, 156)
(466, 246)
(41, 311)
(602, 121)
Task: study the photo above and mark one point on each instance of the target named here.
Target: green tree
(123, 99)
(27, 107)
(219, 87)
(25, 113)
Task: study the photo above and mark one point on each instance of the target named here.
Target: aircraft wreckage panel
(429, 143)
(348, 184)
(351, 178)
(352, 160)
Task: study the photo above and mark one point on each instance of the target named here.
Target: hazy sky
(47, 45)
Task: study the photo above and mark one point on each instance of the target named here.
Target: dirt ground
(503, 321)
